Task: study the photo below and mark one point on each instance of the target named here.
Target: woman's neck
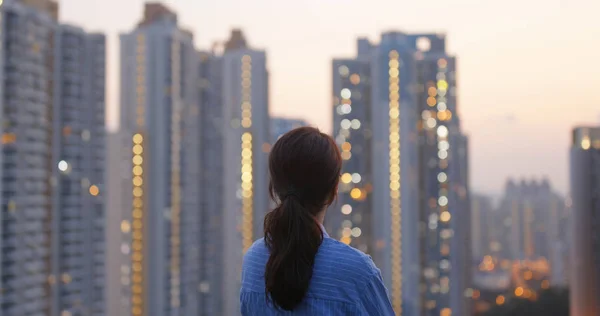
(320, 217)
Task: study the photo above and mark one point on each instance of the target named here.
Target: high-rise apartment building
(534, 209)
(281, 125)
(77, 275)
(246, 143)
(53, 164)
(404, 179)
(443, 172)
(118, 155)
(26, 154)
(235, 141)
(585, 249)
(483, 226)
(159, 118)
(211, 222)
(348, 218)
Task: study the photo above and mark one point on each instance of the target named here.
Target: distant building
(483, 226)
(534, 209)
(246, 141)
(27, 160)
(281, 125)
(159, 120)
(585, 191)
(404, 182)
(211, 183)
(53, 154)
(118, 156)
(79, 143)
(348, 218)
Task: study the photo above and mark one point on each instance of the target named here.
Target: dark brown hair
(304, 167)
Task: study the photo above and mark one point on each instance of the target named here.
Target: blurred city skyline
(517, 67)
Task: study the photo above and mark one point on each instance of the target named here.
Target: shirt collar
(325, 235)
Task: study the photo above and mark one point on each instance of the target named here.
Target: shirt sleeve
(374, 296)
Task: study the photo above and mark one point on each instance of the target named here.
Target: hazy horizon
(526, 69)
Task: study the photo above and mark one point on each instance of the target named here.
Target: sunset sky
(528, 70)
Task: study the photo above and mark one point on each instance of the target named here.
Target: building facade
(78, 144)
(53, 164)
(281, 125)
(403, 196)
(534, 210)
(246, 142)
(483, 226)
(211, 136)
(159, 117)
(26, 152)
(348, 218)
(585, 249)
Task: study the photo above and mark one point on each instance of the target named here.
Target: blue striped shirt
(345, 281)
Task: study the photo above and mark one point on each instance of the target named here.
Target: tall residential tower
(403, 196)
(52, 216)
(78, 146)
(246, 143)
(585, 250)
(159, 118)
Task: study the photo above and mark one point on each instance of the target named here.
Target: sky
(528, 70)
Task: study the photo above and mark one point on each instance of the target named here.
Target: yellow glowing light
(528, 275)
(246, 177)
(137, 170)
(395, 172)
(246, 123)
(246, 137)
(94, 190)
(356, 192)
(346, 178)
(355, 79)
(500, 300)
(346, 155)
(432, 91)
(66, 278)
(137, 138)
(346, 232)
(346, 146)
(138, 149)
(8, 138)
(442, 84)
(442, 115)
(446, 312)
(519, 291)
(125, 226)
(137, 160)
(445, 216)
(431, 101)
(137, 181)
(346, 240)
(586, 143)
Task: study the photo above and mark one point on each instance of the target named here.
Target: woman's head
(304, 167)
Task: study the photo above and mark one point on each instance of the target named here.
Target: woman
(297, 269)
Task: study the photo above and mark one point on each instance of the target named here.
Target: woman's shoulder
(257, 250)
(337, 254)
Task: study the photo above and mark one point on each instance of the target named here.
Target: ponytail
(310, 161)
(293, 237)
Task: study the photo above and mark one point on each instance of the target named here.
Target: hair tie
(291, 193)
